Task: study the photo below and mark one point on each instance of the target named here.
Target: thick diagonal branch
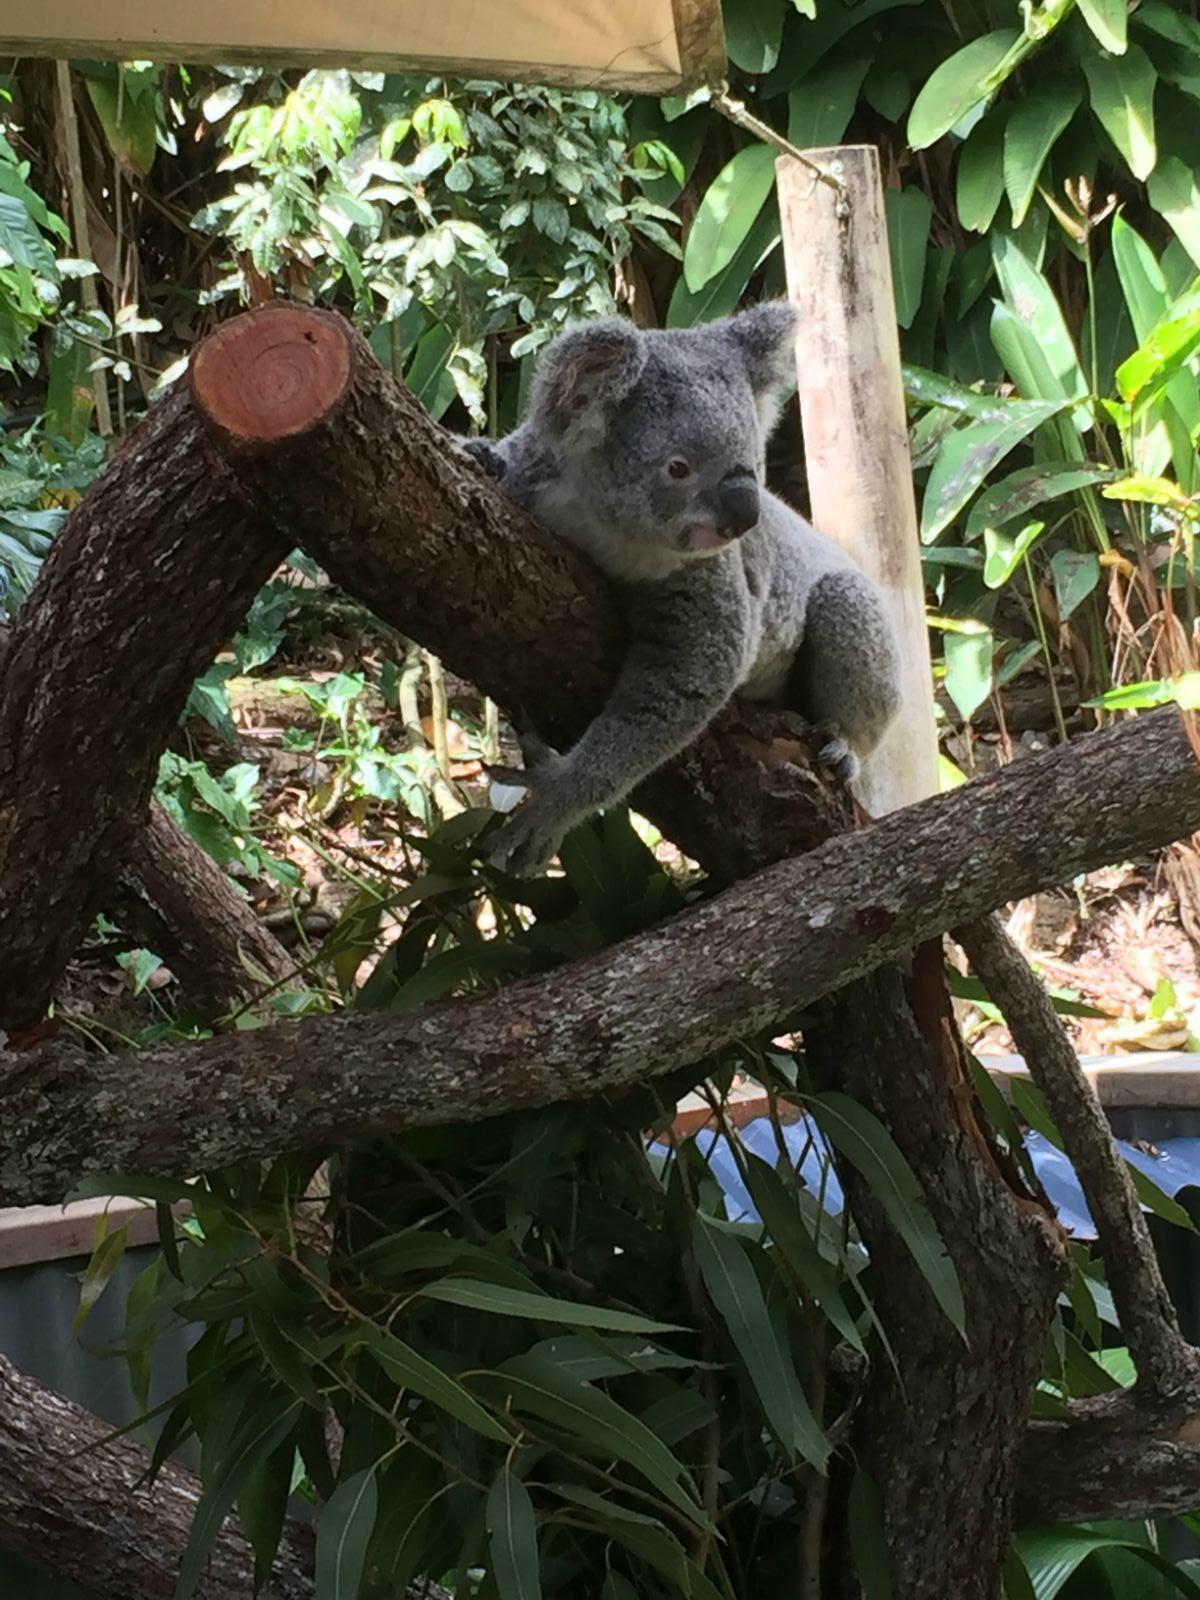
(1164, 1360)
(70, 1505)
(665, 999)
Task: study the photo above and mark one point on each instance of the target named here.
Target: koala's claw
(836, 756)
(534, 831)
(488, 457)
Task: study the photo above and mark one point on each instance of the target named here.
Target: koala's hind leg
(845, 678)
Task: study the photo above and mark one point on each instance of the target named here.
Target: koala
(645, 450)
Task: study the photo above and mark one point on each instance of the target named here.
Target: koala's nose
(738, 499)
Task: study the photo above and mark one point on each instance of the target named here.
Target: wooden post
(855, 434)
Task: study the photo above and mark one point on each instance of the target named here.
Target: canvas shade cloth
(655, 46)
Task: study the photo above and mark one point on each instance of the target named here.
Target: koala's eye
(678, 468)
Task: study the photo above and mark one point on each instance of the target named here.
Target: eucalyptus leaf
(1108, 21)
(344, 1531)
(969, 454)
(734, 1289)
(512, 1538)
(863, 1140)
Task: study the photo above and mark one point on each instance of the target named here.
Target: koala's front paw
(534, 832)
(486, 455)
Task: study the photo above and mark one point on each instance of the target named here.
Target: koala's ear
(585, 372)
(765, 338)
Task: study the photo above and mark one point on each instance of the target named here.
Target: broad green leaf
(344, 1530)
(864, 1141)
(909, 213)
(1141, 279)
(412, 1371)
(1032, 301)
(958, 84)
(868, 1538)
(1020, 491)
(979, 183)
(1051, 1555)
(505, 1302)
(1030, 134)
(595, 1422)
(1149, 491)
(721, 294)
(821, 105)
(787, 1231)
(1121, 89)
(752, 32)
(584, 1358)
(727, 212)
(1172, 344)
(1107, 20)
(967, 456)
(259, 1434)
(968, 670)
(734, 1289)
(1175, 196)
(1004, 554)
(512, 1538)
(1075, 573)
(933, 389)
(887, 90)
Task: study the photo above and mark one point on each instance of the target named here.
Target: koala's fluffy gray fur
(646, 450)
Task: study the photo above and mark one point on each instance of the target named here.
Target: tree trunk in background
(174, 897)
(153, 571)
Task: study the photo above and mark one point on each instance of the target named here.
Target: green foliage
(450, 214)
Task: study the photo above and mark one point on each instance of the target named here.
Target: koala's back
(783, 559)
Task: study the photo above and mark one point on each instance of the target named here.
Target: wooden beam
(855, 434)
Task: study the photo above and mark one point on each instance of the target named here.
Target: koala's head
(667, 430)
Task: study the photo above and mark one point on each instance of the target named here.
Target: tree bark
(155, 568)
(71, 1505)
(175, 898)
(1166, 1364)
(940, 1434)
(661, 1001)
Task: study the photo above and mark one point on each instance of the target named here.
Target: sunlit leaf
(1121, 89)
(1030, 134)
(727, 212)
(958, 84)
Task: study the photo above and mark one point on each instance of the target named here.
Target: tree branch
(660, 1001)
(1114, 1458)
(1165, 1361)
(69, 1506)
